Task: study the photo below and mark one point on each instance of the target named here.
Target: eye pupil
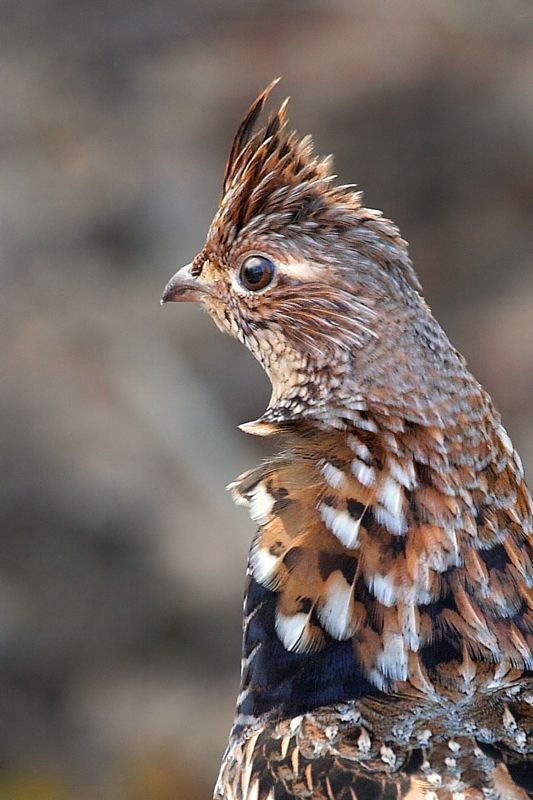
(256, 272)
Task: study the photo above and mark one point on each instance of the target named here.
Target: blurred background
(122, 557)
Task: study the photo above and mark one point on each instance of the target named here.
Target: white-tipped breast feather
(261, 504)
(342, 524)
(336, 612)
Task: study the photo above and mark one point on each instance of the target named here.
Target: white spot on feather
(375, 677)
(505, 439)
(365, 475)
(383, 588)
(290, 629)
(334, 476)
(424, 737)
(391, 496)
(297, 633)
(238, 498)
(261, 504)
(263, 565)
(410, 627)
(403, 473)
(295, 723)
(454, 746)
(387, 755)
(352, 441)
(342, 524)
(366, 424)
(392, 660)
(363, 742)
(335, 613)
(509, 722)
(394, 524)
(363, 453)
(454, 556)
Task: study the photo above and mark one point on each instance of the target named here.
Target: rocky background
(122, 558)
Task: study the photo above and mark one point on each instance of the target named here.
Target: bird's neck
(409, 371)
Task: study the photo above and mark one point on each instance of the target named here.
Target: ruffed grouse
(388, 628)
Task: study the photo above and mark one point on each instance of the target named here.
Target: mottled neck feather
(352, 354)
(389, 553)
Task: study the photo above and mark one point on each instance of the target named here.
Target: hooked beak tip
(167, 295)
(183, 287)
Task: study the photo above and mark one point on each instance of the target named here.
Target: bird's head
(310, 280)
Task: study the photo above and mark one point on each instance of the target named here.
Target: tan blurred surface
(123, 559)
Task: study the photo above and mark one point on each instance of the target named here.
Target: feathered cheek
(221, 315)
(228, 318)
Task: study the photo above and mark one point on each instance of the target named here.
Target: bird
(387, 624)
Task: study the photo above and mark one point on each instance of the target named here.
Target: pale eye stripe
(302, 270)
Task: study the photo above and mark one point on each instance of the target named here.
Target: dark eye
(256, 272)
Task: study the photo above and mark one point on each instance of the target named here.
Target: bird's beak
(184, 287)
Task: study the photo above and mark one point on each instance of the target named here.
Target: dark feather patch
(284, 683)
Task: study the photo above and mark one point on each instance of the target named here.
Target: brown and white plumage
(388, 624)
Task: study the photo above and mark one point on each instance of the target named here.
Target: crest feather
(245, 131)
(272, 172)
(275, 185)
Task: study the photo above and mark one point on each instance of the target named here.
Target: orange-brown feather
(332, 546)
